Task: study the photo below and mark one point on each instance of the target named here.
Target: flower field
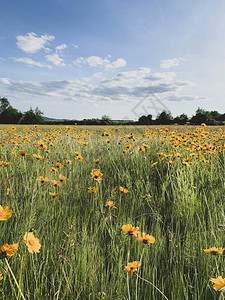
(112, 212)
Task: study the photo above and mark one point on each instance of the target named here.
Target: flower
(154, 164)
(219, 283)
(56, 183)
(53, 194)
(32, 242)
(214, 250)
(141, 148)
(92, 190)
(1, 277)
(146, 238)
(109, 203)
(7, 191)
(125, 191)
(146, 196)
(97, 175)
(69, 162)
(22, 153)
(42, 179)
(62, 178)
(132, 267)
(79, 157)
(58, 165)
(5, 213)
(96, 161)
(8, 250)
(54, 169)
(129, 229)
(38, 156)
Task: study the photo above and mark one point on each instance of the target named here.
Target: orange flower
(214, 250)
(146, 196)
(92, 190)
(109, 203)
(97, 175)
(125, 191)
(69, 162)
(22, 153)
(132, 267)
(38, 156)
(62, 178)
(7, 191)
(53, 194)
(58, 166)
(56, 183)
(5, 213)
(146, 238)
(8, 249)
(79, 157)
(42, 179)
(1, 277)
(219, 283)
(141, 148)
(96, 161)
(154, 164)
(129, 229)
(32, 242)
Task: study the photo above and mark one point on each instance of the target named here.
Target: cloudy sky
(121, 58)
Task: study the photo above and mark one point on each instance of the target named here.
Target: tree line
(10, 115)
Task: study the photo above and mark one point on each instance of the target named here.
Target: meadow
(112, 212)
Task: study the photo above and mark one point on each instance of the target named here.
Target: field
(73, 189)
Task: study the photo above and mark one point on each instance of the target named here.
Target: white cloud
(31, 62)
(61, 47)
(2, 59)
(96, 61)
(55, 59)
(31, 43)
(124, 86)
(75, 46)
(169, 63)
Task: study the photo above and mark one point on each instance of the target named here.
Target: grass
(84, 250)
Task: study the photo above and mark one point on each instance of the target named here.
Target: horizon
(122, 59)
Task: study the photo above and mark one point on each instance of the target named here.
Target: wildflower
(127, 146)
(5, 213)
(7, 191)
(69, 162)
(62, 178)
(32, 242)
(141, 148)
(154, 164)
(53, 194)
(13, 153)
(42, 179)
(203, 125)
(96, 161)
(58, 165)
(109, 203)
(109, 141)
(146, 196)
(214, 250)
(92, 190)
(1, 277)
(77, 153)
(129, 229)
(124, 151)
(146, 238)
(56, 183)
(97, 175)
(79, 157)
(219, 283)
(125, 191)
(132, 267)
(48, 151)
(7, 250)
(38, 157)
(54, 169)
(22, 153)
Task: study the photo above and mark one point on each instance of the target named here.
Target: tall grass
(84, 250)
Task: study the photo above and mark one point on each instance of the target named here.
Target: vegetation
(10, 115)
(112, 213)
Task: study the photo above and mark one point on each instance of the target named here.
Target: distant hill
(54, 119)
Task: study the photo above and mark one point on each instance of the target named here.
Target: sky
(121, 58)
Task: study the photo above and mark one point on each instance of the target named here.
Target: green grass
(84, 250)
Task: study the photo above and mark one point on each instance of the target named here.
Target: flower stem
(153, 286)
(13, 276)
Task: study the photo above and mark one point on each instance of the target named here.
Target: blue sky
(123, 58)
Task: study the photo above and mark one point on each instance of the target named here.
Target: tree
(32, 117)
(181, 120)
(145, 120)
(165, 118)
(203, 116)
(4, 103)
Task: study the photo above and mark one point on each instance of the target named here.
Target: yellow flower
(54, 169)
(219, 283)
(109, 141)
(1, 277)
(129, 229)
(109, 203)
(7, 192)
(132, 267)
(97, 175)
(96, 161)
(58, 165)
(146, 196)
(56, 183)
(146, 238)
(22, 153)
(5, 213)
(69, 162)
(125, 191)
(7, 250)
(214, 250)
(154, 164)
(79, 157)
(38, 156)
(141, 148)
(32, 242)
(53, 194)
(62, 178)
(42, 179)
(92, 190)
